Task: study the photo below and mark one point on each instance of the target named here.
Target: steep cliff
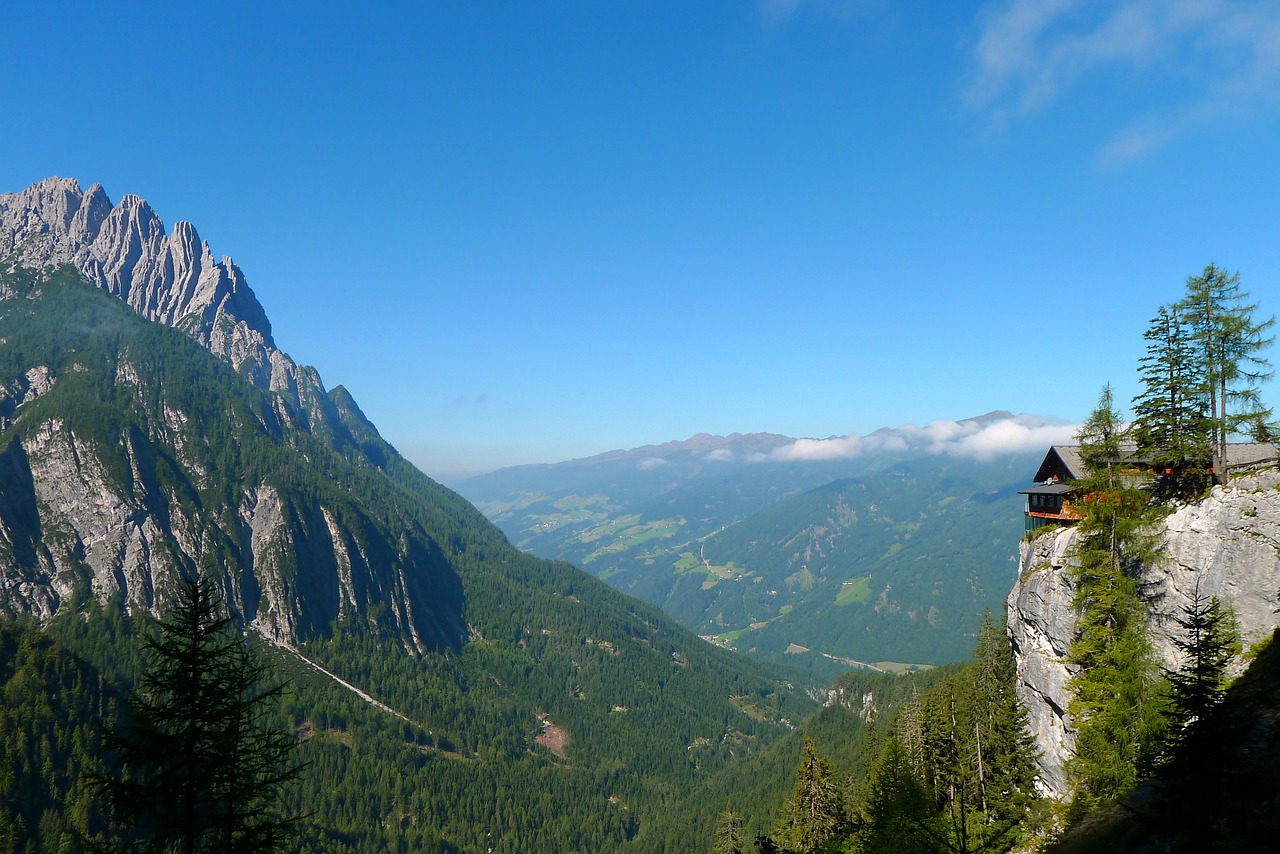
(129, 454)
(1227, 544)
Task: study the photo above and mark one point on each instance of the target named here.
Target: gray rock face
(81, 519)
(1227, 544)
(170, 278)
(72, 525)
(23, 389)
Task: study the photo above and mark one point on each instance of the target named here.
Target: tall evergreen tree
(728, 833)
(1209, 641)
(1115, 700)
(897, 813)
(1197, 769)
(979, 756)
(1171, 425)
(1226, 342)
(202, 765)
(1003, 743)
(814, 814)
(1115, 521)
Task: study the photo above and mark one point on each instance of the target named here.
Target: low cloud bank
(979, 438)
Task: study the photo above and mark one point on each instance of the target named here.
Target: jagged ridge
(172, 278)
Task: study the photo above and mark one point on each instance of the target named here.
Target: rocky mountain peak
(172, 278)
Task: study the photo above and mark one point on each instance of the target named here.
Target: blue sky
(527, 232)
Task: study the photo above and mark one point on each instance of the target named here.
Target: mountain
(439, 674)
(887, 557)
(172, 278)
(130, 454)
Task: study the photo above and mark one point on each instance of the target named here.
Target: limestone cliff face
(1228, 544)
(172, 278)
(124, 469)
(79, 519)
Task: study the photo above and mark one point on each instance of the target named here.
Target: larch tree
(1115, 690)
(1226, 343)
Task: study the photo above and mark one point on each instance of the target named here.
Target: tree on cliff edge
(1226, 342)
(1115, 690)
(1171, 424)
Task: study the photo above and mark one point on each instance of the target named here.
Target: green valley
(822, 564)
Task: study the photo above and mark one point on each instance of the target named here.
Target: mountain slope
(886, 557)
(169, 277)
(138, 455)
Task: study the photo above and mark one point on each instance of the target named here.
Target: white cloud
(720, 455)
(651, 463)
(820, 449)
(983, 440)
(1211, 59)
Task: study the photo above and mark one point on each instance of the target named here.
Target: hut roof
(1067, 459)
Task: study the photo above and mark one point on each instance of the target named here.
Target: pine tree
(728, 833)
(1209, 642)
(814, 814)
(201, 764)
(1115, 702)
(1226, 342)
(1171, 426)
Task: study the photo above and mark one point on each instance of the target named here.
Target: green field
(855, 591)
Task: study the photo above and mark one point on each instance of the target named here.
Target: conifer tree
(1115, 703)
(979, 755)
(814, 814)
(897, 813)
(728, 833)
(1226, 343)
(1209, 641)
(201, 763)
(1197, 770)
(1171, 425)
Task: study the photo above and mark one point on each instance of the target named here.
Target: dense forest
(635, 710)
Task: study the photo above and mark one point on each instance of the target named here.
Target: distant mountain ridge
(700, 443)
(881, 549)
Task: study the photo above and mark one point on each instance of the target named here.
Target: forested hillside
(510, 674)
(885, 558)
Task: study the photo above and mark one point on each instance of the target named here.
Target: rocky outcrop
(172, 278)
(80, 520)
(149, 460)
(1227, 545)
